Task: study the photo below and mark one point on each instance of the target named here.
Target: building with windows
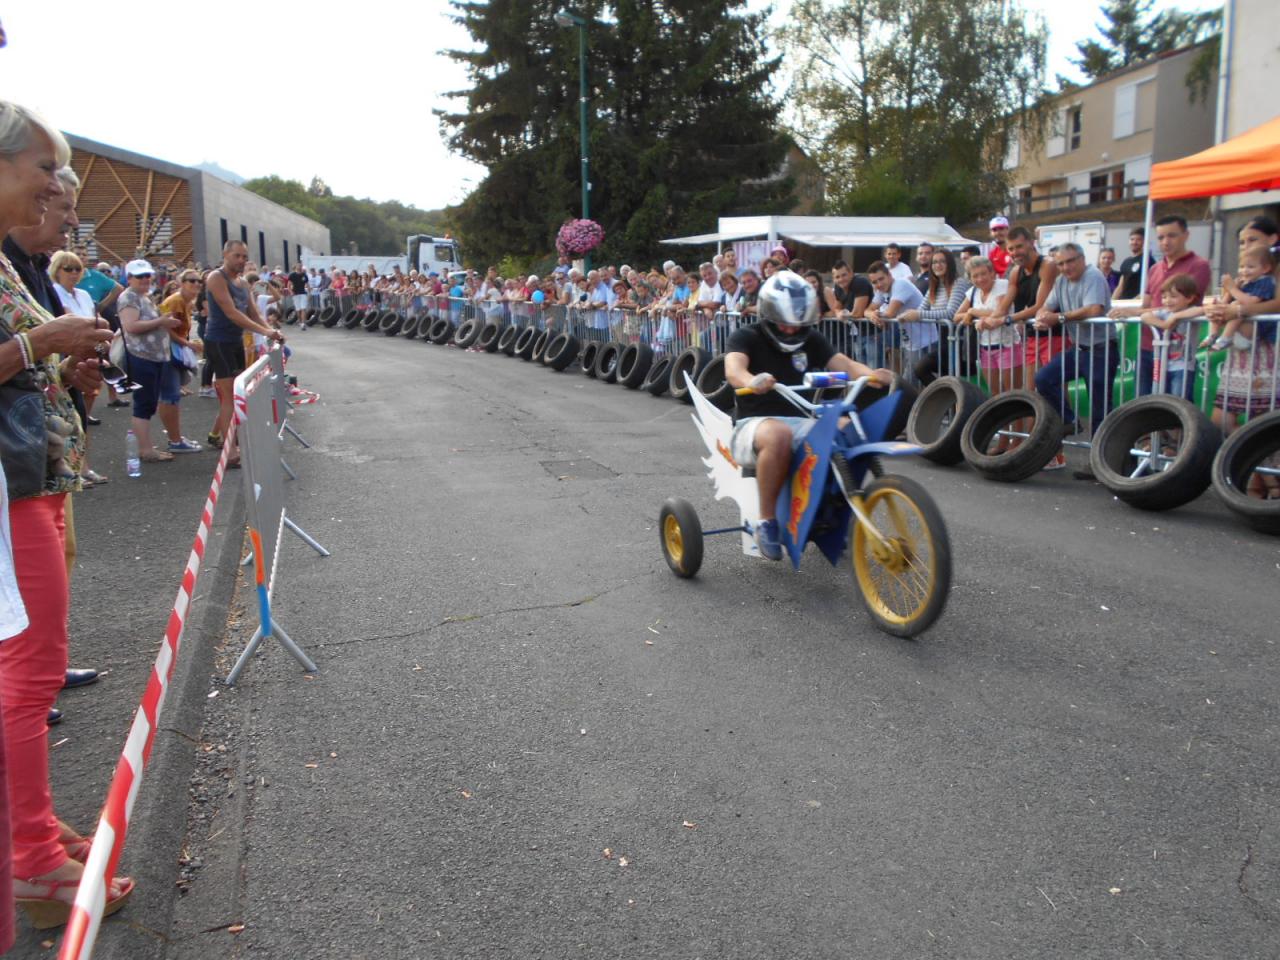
(132, 205)
(1101, 140)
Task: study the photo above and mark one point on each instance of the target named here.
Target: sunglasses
(141, 276)
(73, 269)
(192, 280)
(113, 376)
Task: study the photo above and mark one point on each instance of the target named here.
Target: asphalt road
(528, 739)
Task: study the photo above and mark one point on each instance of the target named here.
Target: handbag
(117, 353)
(24, 441)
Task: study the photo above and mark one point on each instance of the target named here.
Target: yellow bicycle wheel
(681, 537)
(905, 578)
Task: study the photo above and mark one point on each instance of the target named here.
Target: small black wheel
(540, 347)
(658, 380)
(290, 316)
(681, 534)
(588, 359)
(372, 320)
(562, 351)
(713, 385)
(441, 332)
(633, 365)
(468, 332)
(1256, 444)
(329, 315)
(607, 361)
(489, 336)
(391, 323)
(691, 361)
(507, 342)
(905, 578)
(352, 319)
(525, 343)
(937, 420)
(410, 328)
(985, 439)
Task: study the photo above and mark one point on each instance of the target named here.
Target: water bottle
(132, 462)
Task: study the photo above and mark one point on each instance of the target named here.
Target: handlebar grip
(743, 392)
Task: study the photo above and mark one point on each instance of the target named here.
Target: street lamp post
(566, 19)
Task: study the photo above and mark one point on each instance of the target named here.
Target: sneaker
(184, 446)
(209, 393)
(215, 441)
(768, 541)
(1059, 462)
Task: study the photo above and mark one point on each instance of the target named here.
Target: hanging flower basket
(577, 237)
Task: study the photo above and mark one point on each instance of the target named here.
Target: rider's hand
(762, 383)
(882, 376)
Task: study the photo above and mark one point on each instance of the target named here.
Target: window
(262, 249)
(1074, 126)
(284, 246)
(225, 236)
(444, 253)
(1013, 153)
(1134, 108)
(244, 234)
(1024, 199)
(157, 235)
(298, 247)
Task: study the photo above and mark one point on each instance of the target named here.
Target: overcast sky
(343, 91)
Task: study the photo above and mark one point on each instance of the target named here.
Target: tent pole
(1146, 244)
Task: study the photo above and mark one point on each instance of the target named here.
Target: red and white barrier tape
(113, 825)
(301, 397)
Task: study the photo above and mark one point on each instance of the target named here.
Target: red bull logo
(801, 485)
(724, 452)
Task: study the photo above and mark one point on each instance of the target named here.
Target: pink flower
(579, 237)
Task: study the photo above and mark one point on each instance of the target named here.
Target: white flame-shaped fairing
(716, 429)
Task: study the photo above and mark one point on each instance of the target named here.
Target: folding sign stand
(259, 415)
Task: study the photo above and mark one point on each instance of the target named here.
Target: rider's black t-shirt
(763, 356)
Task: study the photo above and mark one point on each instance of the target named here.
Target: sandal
(48, 910)
(156, 456)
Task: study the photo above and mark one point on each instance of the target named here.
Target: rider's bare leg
(772, 444)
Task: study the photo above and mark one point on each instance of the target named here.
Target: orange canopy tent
(1250, 161)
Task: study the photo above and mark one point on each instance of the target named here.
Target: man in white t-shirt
(710, 295)
(893, 263)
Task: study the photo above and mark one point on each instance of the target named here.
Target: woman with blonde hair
(39, 358)
(66, 269)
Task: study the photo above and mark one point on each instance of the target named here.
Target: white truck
(422, 253)
(1094, 235)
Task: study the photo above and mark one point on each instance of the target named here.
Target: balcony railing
(1079, 197)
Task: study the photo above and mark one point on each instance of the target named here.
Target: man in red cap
(999, 252)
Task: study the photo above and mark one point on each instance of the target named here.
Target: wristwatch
(1062, 318)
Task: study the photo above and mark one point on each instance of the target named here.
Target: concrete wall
(214, 200)
(1181, 126)
(1253, 70)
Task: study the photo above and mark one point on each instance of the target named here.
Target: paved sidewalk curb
(159, 820)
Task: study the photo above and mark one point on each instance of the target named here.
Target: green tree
(682, 129)
(906, 103)
(375, 228)
(1130, 33)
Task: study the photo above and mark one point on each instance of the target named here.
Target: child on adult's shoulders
(1253, 284)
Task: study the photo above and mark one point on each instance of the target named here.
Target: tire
(1181, 481)
(372, 320)
(634, 364)
(391, 323)
(938, 416)
(489, 337)
(691, 361)
(352, 319)
(525, 343)
(562, 351)
(329, 315)
(540, 347)
(588, 359)
(410, 328)
(290, 316)
(507, 342)
(441, 332)
(658, 380)
(468, 332)
(338, 317)
(680, 534)
(607, 361)
(1247, 448)
(714, 386)
(1024, 460)
(914, 524)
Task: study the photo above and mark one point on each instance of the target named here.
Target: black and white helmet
(788, 299)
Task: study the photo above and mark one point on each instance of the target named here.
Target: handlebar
(817, 380)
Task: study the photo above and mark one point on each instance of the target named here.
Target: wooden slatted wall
(134, 211)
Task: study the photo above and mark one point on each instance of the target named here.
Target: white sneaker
(208, 392)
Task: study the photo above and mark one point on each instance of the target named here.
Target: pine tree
(1130, 34)
(681, 127)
